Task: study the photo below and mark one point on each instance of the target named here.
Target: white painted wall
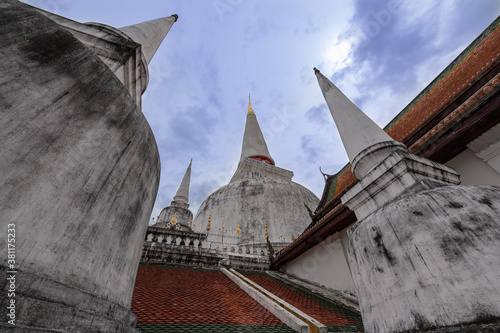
(325, 264)
(474, 170)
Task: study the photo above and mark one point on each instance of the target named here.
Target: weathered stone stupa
(79, 158)
(424, 251)
(259, 193)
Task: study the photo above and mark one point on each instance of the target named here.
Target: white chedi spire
(182, 194)
(254, 145)
(360, 135)
(150, 34)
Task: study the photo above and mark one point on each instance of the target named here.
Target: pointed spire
(182, 194)
(254, 145)
(250, 109)
(150, 34)
(357, 131)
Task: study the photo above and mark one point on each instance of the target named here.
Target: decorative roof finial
(325, 176)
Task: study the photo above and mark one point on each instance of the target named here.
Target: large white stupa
(260, 197)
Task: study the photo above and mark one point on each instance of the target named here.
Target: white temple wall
(325, 264)
(473, 170)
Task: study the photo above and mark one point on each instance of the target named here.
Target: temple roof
(190, 301)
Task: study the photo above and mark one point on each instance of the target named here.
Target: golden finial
(209, 220)
(293, 237)
(238, 230)
(250, 110)
(173, 221)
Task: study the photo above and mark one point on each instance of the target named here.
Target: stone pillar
(79, 176)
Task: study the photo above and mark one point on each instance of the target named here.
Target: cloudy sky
(379, 53)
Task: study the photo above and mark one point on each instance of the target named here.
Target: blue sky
(381, 54)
